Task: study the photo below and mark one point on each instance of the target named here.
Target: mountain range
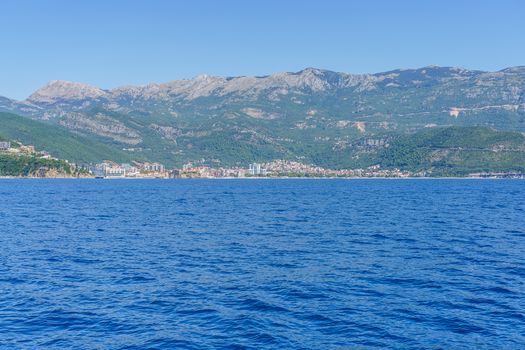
(326, 118)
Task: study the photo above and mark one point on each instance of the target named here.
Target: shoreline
(265, 178)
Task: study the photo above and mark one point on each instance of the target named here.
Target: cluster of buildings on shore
(284, 168)
(290, 168)
(497, 175)
(109, 169)
(277, 168)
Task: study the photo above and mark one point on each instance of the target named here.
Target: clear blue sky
(110, 43)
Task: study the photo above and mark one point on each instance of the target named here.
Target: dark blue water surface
(262, 264)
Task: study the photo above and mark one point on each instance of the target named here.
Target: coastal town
(275, 169)
(153, 170)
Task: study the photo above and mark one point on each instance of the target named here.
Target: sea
(262, 264)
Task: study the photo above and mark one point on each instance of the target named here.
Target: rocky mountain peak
(57, 90)
(311, 71)
(517, 70)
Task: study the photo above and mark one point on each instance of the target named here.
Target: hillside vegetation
(456, 151)
(59, 141)
(11, 165)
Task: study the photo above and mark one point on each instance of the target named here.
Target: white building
(5, 145)
(130, 170)
(153, 167)
(256, 169)
(108, 169)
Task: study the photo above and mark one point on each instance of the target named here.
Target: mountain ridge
(84, 90)
(314, 115)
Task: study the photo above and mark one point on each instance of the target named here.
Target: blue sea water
(262, 264)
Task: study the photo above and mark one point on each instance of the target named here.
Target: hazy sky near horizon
(109, 43)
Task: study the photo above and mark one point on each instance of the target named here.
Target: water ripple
(309, 264)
